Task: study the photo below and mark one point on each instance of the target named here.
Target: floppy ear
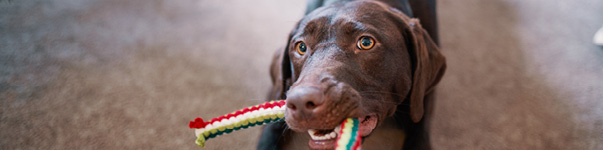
(280, 73)
(428, 65)
(427, 62)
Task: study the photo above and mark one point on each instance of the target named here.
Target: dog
(366, 59)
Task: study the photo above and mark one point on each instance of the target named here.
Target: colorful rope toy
(274, 111)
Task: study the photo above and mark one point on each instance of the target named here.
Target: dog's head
(358, 59)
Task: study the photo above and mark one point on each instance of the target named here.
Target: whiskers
(382, 95)
(382, 92)
(285, 127)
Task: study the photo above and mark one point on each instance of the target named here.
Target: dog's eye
(365, 43)
(301, 48)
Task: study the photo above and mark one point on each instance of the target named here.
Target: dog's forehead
(344, 13)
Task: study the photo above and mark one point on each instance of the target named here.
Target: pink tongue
(367, 124)
(322, 144)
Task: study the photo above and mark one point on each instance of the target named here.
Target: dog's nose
(302, 101)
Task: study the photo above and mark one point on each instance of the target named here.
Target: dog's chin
(322, 137)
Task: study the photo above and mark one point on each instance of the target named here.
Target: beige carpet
(113, 74)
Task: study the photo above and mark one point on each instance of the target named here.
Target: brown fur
(404, 65)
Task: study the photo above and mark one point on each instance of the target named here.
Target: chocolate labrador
(363, 59)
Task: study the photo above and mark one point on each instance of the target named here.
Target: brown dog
(362, 59)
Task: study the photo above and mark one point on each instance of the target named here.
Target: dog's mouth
(326, 138)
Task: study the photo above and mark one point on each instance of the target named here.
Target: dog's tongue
(367, 124)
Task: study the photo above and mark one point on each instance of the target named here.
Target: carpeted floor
(112, 74)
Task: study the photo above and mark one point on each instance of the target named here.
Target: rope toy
(274, 111)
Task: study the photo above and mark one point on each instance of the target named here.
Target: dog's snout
(302, 101)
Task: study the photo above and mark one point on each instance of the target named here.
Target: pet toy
(274, 111)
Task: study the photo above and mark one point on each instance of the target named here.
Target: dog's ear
(427, 62)
(280, 73)
(428, 66)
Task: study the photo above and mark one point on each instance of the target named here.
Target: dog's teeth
(328, 136)
(311, 131)
(337, 129)
(333, 134)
